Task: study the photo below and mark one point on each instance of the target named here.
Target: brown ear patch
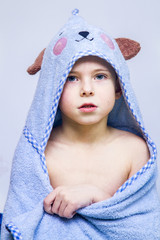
(128, 47)
(36, 66)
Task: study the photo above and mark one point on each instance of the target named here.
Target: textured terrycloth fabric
(134, 211)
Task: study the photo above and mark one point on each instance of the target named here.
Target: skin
(92, 171)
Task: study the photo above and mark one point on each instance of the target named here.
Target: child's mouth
(87, 107)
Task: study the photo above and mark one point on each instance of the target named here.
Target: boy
(102, 158)
(85, 167)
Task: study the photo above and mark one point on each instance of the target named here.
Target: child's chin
(89, 122)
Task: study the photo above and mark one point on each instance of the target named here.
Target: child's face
(90, 82)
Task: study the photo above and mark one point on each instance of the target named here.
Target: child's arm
(65, 200)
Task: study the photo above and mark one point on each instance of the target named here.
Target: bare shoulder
(53, 143)
(136, 149)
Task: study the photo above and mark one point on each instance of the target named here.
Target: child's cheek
(66, 100)
(107, 97)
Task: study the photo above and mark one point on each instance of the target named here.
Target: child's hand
(65, 200)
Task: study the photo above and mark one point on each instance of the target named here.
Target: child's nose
(86, 89)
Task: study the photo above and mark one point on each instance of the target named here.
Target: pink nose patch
(59, 46)
(108, 41)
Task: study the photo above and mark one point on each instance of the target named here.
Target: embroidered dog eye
(60, 33)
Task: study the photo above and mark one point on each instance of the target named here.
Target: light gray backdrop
(27, 26)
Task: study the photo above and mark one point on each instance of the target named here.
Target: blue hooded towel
(134, 210)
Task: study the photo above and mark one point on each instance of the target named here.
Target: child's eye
(71, 78)
(101, 76)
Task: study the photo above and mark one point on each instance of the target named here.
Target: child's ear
(36, 66)
(118, 94)
(118, 90)
(129, 48)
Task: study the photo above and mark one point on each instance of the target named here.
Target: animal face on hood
(77, 34)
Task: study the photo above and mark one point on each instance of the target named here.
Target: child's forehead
(94, 62)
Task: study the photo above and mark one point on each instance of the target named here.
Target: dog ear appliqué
(129, 48)
(36, 66)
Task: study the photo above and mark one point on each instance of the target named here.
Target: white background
(27, 26)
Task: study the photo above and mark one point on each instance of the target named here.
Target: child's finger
(62, 208)
(48, 201)
(69, 211)
(56, 204)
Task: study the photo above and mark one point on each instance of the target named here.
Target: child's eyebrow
(96, 70)
(73, 72)
(102, 70)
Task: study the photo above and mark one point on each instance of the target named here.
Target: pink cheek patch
(59, 46)
(108, 41)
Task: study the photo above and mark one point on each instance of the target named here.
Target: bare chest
(102, 168)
